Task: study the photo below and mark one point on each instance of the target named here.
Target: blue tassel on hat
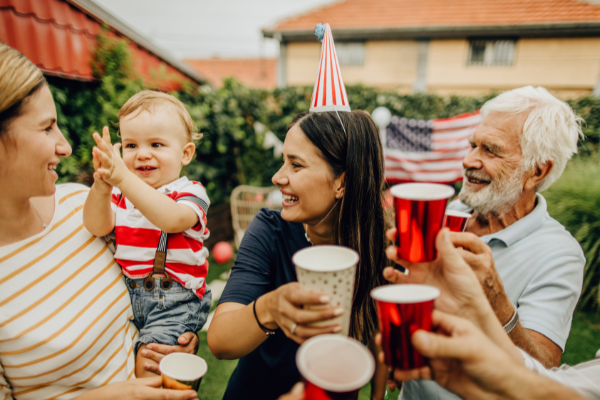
(320, 32)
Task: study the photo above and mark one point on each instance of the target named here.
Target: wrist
(102, 188)
(121, 179)
(504, 309)
(263, 311)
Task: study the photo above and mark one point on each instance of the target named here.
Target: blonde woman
(65, 328)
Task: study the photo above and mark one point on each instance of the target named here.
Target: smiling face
(33, 147)
(155, 146)
(494, 177)
(306, 180)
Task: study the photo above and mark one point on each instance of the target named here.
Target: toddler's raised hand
(111, 168)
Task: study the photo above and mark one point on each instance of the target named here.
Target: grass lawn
(582, 345)
(584, 340)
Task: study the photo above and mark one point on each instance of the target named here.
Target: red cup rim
(458, 214)
(422, 191)
(368, 363)
(405, 293)
(324, 266)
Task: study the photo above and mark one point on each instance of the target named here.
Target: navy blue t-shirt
(264, 262)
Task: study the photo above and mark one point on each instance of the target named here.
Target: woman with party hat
(332, 182)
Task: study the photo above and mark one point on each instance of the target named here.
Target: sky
(204, 29)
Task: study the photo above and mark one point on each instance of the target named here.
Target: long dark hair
(360, 222)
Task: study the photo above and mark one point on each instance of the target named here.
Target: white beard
(497, 198)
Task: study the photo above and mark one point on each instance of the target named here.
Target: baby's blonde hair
(149, 100)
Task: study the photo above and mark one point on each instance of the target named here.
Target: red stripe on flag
(423, 166)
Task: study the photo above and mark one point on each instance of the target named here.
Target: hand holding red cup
(402, 310)
(420, 210)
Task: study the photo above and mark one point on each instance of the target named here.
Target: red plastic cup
(420, 209)
(334, 367)
(402, 310)
(456, 221)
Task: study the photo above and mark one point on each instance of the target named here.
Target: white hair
(551, 130)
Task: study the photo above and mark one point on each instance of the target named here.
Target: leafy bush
(574, 200)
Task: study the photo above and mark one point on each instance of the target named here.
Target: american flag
(428, 150)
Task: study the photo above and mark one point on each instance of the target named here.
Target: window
(492, 52)
(350, 54)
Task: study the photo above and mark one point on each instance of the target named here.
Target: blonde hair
(19, 78)
(149, 100)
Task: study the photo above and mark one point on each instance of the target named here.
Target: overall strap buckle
(159, 266)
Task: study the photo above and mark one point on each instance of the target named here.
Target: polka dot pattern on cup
(339, 285)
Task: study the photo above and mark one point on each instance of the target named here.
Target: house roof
(372, 18)
(59, 37)
(254, 72)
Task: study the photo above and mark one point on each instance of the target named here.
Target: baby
(158, 218)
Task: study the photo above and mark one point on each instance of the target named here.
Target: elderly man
(534, 279)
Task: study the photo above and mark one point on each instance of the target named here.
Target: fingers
(468, 241)
(303, 332)
(95, 161)
(392, 275)
(154, 356)
(116, 148)
(168, 394)
(104, 157)
(391, 234)
(190, 341)
(446, 250)
(421, 373)
(298, 296)
(101, 142)
(436, 345)
(378, 339)
(106, 135)
(152, 367)
(161, 349)
(155, 381)
(303, 316)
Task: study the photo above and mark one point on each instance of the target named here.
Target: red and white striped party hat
(329, 93)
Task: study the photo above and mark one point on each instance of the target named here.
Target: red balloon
(222, 252)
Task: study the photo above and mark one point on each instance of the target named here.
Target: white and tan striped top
(64, 310)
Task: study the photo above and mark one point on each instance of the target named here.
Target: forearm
(234, 333)
(159, 209)
(491, 327)
(527, 385)
(98, 216)
(522, 339)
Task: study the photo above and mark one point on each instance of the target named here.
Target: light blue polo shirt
(541, 266)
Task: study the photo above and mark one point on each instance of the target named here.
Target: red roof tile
(254, 72)
(374, 14)
(60, 39)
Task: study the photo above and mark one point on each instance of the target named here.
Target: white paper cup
(330, 270)
(179, 370)
(334, 363)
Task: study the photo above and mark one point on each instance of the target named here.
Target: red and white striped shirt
(137, 238)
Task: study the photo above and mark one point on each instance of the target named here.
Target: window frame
(492, 54)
